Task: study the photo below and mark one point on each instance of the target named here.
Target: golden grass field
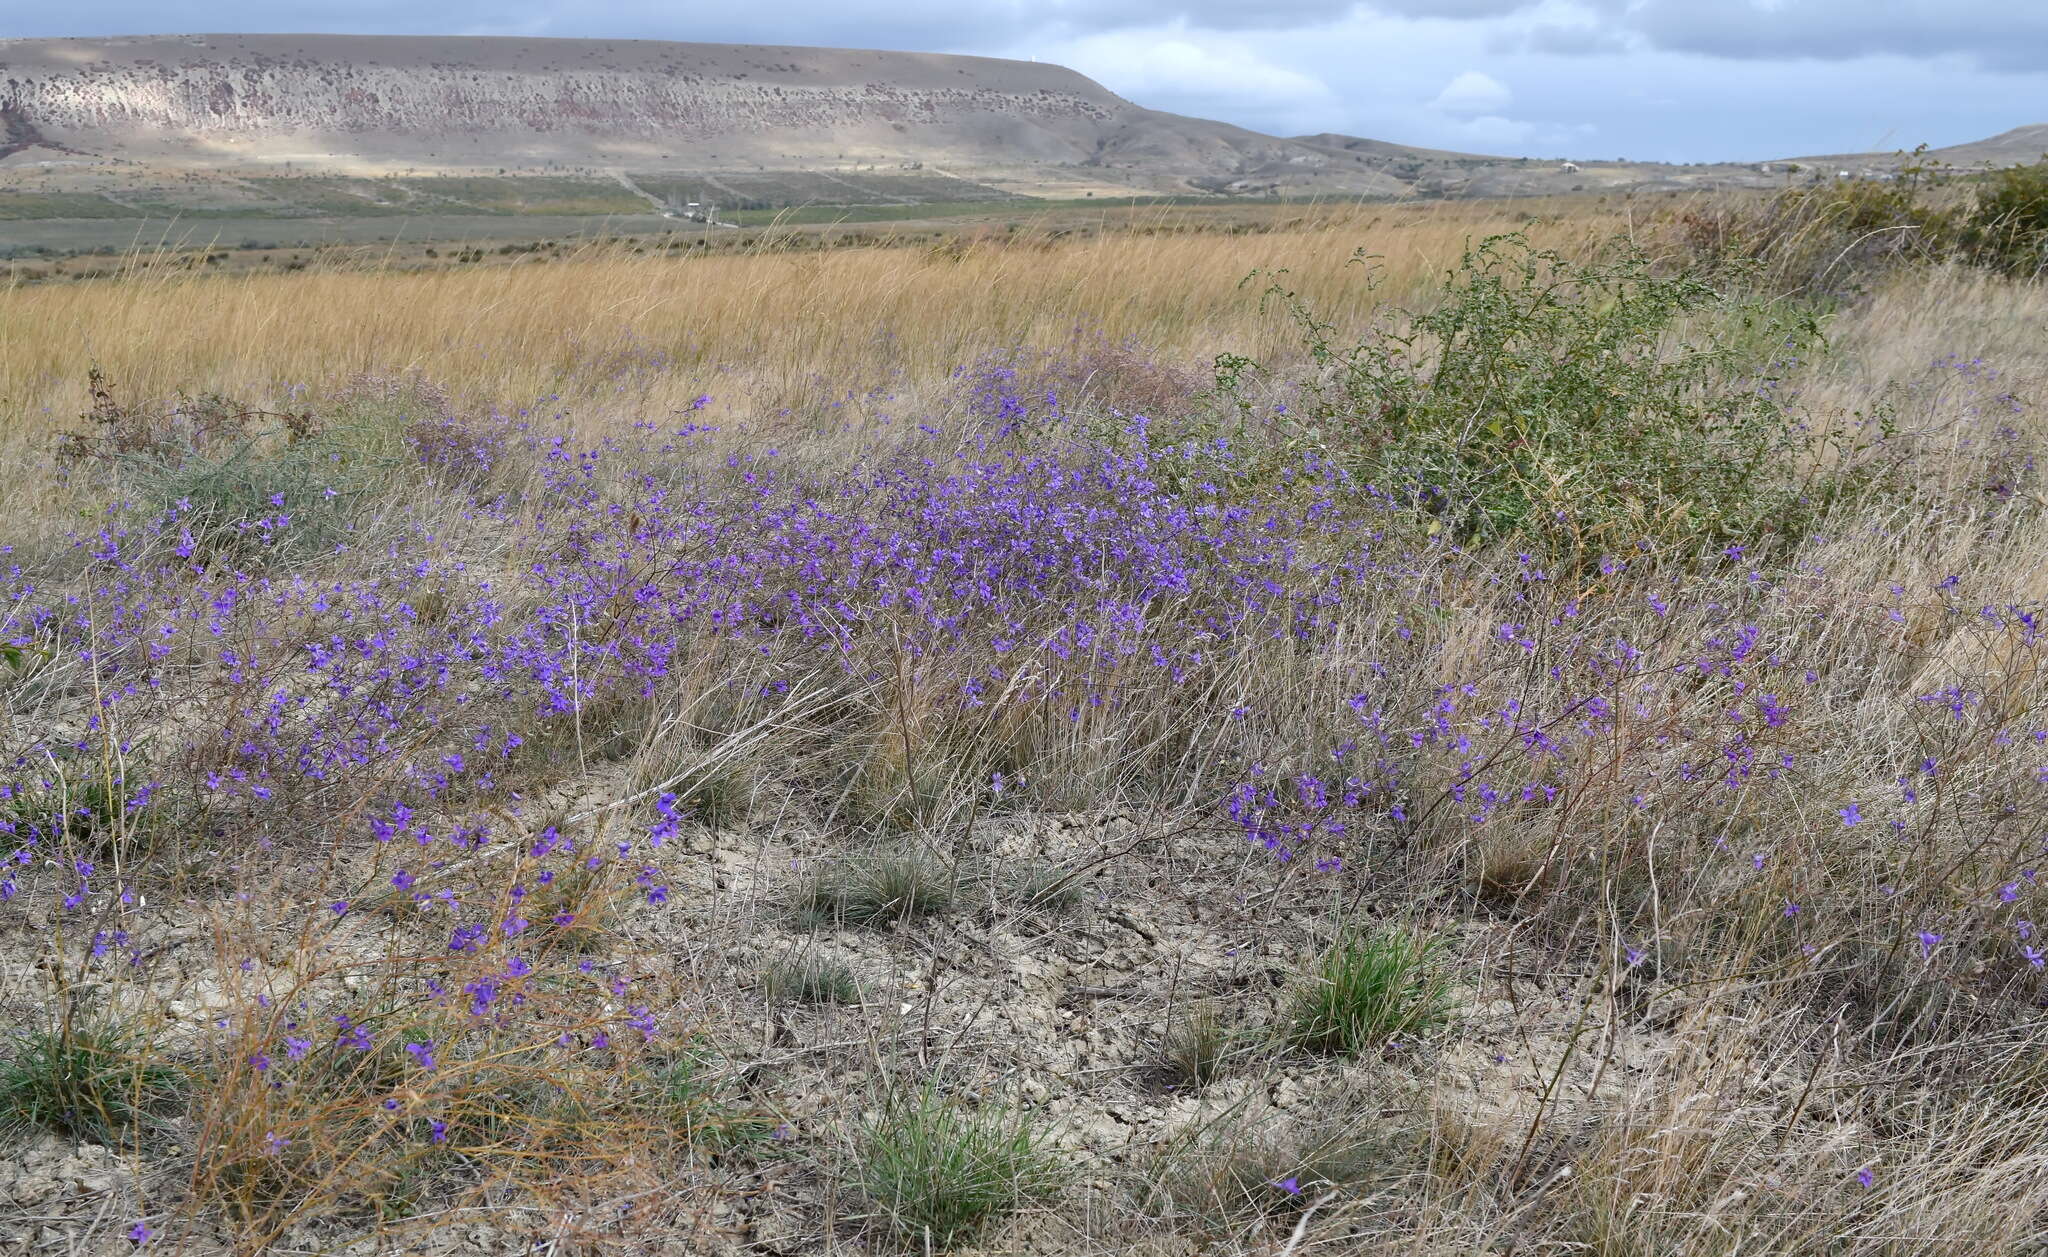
(771, 318)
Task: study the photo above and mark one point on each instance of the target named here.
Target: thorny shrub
(1570, 406)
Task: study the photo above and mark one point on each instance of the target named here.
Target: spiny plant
(935, 1174)
(1370, 986)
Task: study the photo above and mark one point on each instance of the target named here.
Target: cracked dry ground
(1061, 1014)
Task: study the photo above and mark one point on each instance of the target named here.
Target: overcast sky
(1673, 80)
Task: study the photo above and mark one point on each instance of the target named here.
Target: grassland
(1332, 738)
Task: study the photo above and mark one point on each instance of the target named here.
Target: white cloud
(1490, 129)
(1473, 94)
(1179, 69)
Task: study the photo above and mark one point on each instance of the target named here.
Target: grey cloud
(1571, 41)
(1270, 15)
(1453, 9)
(927, 24)
(915, 24)
(1998, 34)
(2010, 35)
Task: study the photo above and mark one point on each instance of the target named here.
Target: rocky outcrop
(489, 102)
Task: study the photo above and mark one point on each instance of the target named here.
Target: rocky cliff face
(209, 99)
(199, 98)
(324, 100)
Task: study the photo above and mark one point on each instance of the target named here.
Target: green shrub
(2007, 228)
(1575, 407)
(935, 1174)
(1369, 987)
(238, 480)
(88, 1080)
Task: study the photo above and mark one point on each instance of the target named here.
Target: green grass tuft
(89, 1081)
(1220, 1174)
(935, 1174)
(809, 980)
(1200, 1047)
(874, 891)
(1370, 987)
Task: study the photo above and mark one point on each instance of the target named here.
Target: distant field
(1012, 208)
(770, 190)
(98, 234)
(59, 247)
(1170, 275)
(407, 233)
(324, 196)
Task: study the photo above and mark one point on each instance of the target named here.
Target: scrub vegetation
(1414, 730)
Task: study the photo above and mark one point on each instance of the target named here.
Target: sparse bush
(1821, 241)
(1369, 987)
(2007, 227)
(935, 1174)
(1829, 240)
(225, 478)
(205, 426)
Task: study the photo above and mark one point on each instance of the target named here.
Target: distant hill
(625, 111)
(377, 104)
(1436, 172)
(2018, 147)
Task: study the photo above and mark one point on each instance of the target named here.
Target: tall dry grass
(629, 333)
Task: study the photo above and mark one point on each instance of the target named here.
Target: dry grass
(1686, 1015)
(608, 333)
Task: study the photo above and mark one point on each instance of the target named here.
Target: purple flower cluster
(1198, 616)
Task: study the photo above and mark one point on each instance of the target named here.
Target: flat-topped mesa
(229, 99)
